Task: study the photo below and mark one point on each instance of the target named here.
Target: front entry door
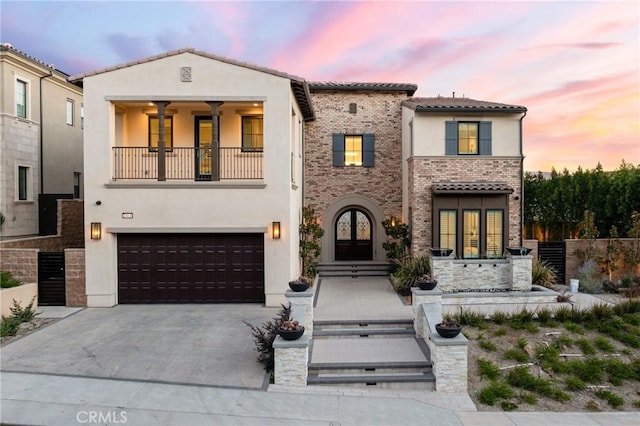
(353, 236)
(204, 136)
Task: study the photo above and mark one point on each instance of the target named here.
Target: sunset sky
(574, 65)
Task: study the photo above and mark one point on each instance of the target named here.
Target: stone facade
(424, 171)
(302, 308)
(22, 263)
(75, 277)
(291, 361)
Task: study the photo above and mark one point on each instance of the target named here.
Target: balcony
(188, 163)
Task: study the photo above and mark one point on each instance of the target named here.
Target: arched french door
(353, 233)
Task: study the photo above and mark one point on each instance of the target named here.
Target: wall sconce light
(275, 230)
(96, 230)
(393, 221)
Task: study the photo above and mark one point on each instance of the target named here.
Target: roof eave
(420, 108)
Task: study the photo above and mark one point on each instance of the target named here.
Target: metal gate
(554, 253)
(51, 283)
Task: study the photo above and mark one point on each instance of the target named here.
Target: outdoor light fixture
(275, 230)
(96, 230)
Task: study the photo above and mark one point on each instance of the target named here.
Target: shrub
(604, 344)
(542, 273)
(520, 377)
(508, 406)
(499, 317)
(590, 370)
(265, 335)
(501, 331)
(488, 369)
(589, 277)
(494, 391)
(612, 399)
(521, 342)
(25, 314)
(575, 384)
(527, 397)
(7, 280)
(474, 319)
(409, 270)
(586, 347)
(563, 314)
(487, 345)
(515, 354)
(545, 316)
(9, 326)
(565, 342)
(574, 328)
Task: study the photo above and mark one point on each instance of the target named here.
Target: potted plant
(449, 327)
(440, 252)
(427, 282)
(299, 284)
(290, 330)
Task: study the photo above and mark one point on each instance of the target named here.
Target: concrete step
(363, 328)
(424, 381)
(354, 269)
(370, 368)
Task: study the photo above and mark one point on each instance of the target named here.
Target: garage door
(190, 268)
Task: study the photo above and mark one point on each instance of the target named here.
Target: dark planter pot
(427, 285)
(298, 286)
(440, 252)
(518, 251)
(448, 332)
(291, 334)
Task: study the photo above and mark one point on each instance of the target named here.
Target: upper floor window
(21, 98)
(70, 112)
(353, 150)
(252, 133)
(23, 183)
(154, 133)
(76, 184)
(468, 138)
(82, 116)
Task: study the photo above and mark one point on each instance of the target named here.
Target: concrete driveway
(194, 344)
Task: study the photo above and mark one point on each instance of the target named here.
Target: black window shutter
(484, 147)
(451, 138)
(338, 149)
(368, 150)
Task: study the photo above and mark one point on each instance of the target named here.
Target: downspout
(41, 136)
(522, 227)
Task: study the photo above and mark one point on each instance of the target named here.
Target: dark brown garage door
(190, 268)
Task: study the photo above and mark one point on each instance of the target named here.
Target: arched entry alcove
(353, 230)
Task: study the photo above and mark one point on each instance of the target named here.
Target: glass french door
(353, 232)
(204, 137)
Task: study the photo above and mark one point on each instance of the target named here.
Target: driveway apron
(192, 344)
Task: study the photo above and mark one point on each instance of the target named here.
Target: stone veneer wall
(424, 171)
(22, 263)
(75, 277)
(379, 113)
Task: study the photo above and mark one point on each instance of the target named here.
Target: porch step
(354, 269)
(359, 328)
(394, 363)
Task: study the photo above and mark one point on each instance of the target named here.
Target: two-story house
(41, 139)
(194, 174)
(197, 168)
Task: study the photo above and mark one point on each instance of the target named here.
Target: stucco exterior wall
(376, 188)
(62, 146)
(189, 206)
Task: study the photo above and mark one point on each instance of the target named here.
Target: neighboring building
(40, 139)
(198, 167)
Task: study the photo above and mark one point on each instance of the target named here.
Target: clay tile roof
(471, 188)
(442, 104)
(298, 84)
(7, 47)
(351, 85)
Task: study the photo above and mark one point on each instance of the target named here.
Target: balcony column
(162, 174)
(215, 140)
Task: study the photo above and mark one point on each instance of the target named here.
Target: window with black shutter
(353, 150)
